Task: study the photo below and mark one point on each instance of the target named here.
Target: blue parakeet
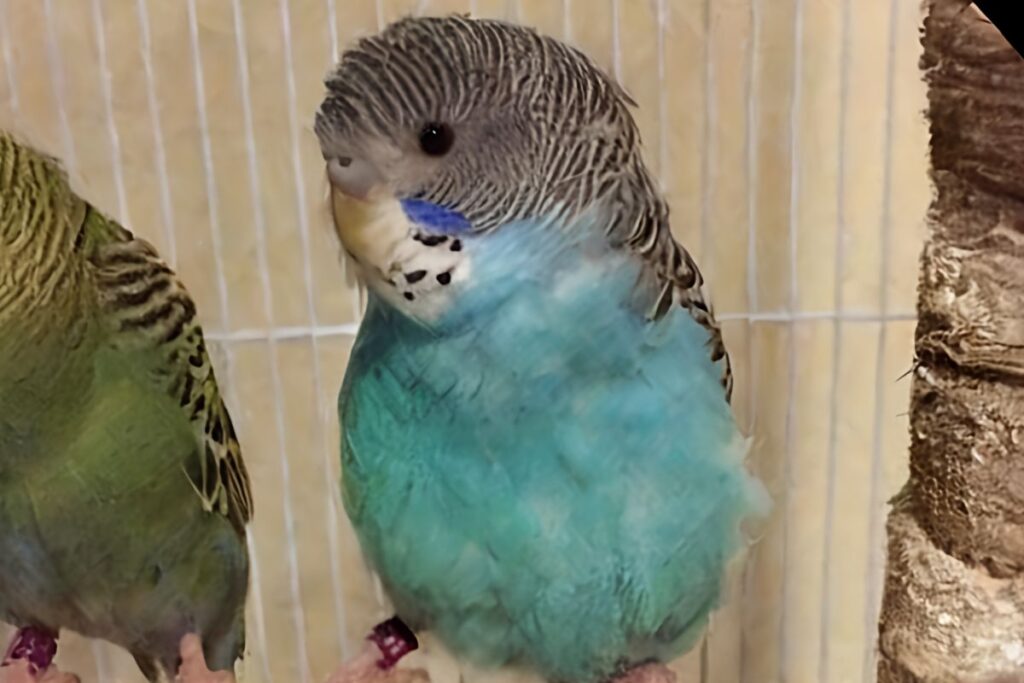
(123, 495)
(538, 452)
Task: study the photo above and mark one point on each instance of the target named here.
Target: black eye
(436, 139)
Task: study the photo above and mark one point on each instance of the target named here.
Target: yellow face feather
(391, 256)
(371, 230)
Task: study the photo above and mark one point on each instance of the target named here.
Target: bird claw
(36, 645)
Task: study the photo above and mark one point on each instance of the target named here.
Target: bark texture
(953, 607)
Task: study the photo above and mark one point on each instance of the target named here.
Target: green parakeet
(123, 495)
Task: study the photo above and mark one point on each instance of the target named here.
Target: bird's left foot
(388, 643)
(647, 673)
(193, 667)
(37, 646)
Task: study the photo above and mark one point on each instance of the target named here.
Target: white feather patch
(380, 240)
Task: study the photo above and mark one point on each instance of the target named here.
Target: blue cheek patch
(435, 218)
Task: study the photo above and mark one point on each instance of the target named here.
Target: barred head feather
(536, 129)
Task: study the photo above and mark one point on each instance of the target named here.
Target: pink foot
(387, 644)
(647, 673)
(193, 667)
(36, 645)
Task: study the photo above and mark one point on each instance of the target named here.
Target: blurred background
(789, 137)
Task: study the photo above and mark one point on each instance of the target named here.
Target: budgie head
(487, 119)
(439, 132)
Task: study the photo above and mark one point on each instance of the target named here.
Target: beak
(359, 196)
(353, 177)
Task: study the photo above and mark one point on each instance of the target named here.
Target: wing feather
(148, 308)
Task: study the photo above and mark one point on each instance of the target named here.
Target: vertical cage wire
(57, 82)
(795, 159)
(753, 303)
(166, 209)
(333, 509)
(7, 52)
(297, 607)
(837, 348)
(304, 237)
(874, 570)
(108, 109)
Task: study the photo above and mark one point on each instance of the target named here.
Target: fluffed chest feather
(545, 457)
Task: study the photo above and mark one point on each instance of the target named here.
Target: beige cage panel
(789, 137)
